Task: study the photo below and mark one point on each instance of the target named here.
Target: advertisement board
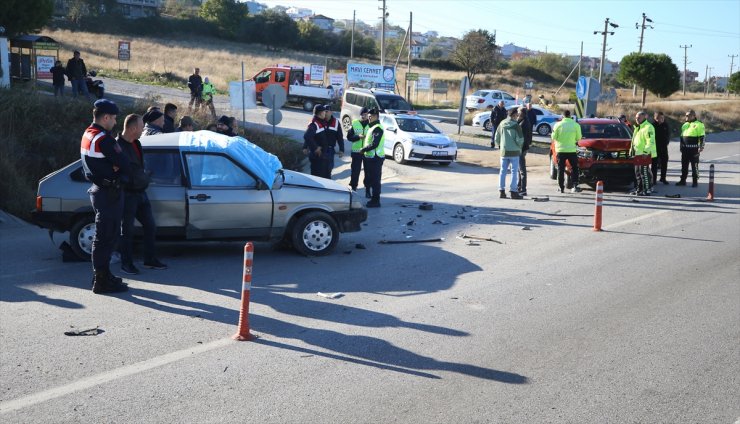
(424, 83)
(337, 80)
(124, 50)
(43, 66)
(371, 76)
(317, 72)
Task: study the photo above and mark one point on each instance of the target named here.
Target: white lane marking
(115, 374)
(639, 218)
(724, 157)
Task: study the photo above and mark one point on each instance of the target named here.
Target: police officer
(334, 138)
(315, 143)
(356, 135)
(643, 149)
(692, 144)
(104, 165)
(374, 156)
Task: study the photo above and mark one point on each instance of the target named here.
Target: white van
(356, 98)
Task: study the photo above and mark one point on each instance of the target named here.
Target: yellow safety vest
(566, 134)
(692, 134)
(643, 140)
(379, 151)
(359, 131)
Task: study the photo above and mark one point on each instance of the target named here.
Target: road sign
(274, 117)
(412, 76)
(529, 85)
(124, 50)
(274, 96)
(582, 87)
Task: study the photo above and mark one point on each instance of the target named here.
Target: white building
(298, 12)
(321, 21)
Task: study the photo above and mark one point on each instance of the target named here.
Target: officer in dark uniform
(356, 135)
(105, 166)
(334, 138)
(692, 144)
(374, 156)
(315, 142)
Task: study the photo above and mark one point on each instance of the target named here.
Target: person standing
(315, 141)
(356, 135)
(104, 164)
(509, 138)
(57, 74)
(195, 84)
(77, 72)
(531, 114)
(566, 135)
(208, 92)
(170, 115)
(186, 124)
(374, 151)
(153, 122)
(662, 138)
(643, 150)
(334, 139)
(498, 114)
(526, 126)
(692, 144)
(136, 203)
(223, 126)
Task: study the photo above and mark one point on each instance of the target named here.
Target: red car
(603, 153)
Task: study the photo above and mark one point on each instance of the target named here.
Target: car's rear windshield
(416, 125)
(606, 130)
(393, 103)
(481, 93)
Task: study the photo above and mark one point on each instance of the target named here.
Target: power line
(736, 34)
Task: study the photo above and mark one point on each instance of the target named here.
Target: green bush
(40, 134)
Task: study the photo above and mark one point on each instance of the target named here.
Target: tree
(25, 16)
(654, 72)
(476, 53)
(227, 14)
(733, 85)
(432, 52)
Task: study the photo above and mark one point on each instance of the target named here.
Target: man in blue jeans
(77, 72)
(136, 203)
(510, 139)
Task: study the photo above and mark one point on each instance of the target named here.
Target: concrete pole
(352, 45)
(411, 41)
(685, 62)
(382, 38)
(732, 62)
(603, 49)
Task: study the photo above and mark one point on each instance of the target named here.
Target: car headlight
(415, 142)
(453, 144)
(585, 152)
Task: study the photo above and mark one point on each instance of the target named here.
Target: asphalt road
(549, 322)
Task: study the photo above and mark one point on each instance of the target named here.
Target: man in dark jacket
(76, 72)
(662, 138)
(498, 114)
(356, 135)
(315, 141)
(195, 84)
(223, 126)
(136, 203)
(153, 122)
(526, 125)
(57, 74)
(334, 139)
(170, 114)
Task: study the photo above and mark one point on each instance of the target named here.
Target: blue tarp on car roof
(263, 164)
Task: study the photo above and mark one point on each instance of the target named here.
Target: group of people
(324, 135)
(75, 71)
(202, 92)
(512, 133)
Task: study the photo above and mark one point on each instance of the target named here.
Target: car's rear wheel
(315, 234)
(543, 129)
(398, 153)
(81, 237)
(553, 169)
(346, 123)
(488, 125)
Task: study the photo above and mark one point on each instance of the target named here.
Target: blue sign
(582, 87)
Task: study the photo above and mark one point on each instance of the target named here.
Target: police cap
(106, 106)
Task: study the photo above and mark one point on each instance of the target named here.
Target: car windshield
(606, 130)
(416, 126)
(393, 103)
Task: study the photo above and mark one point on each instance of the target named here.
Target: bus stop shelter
(32, 56)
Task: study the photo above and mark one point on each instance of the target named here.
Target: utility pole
(603, 46)
(382, 36)
(352, 45)
(580, 59)
(732, 62)
(685, 58)
(411, 41)
(642, 34)
(706, 81)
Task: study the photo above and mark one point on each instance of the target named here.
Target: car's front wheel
(543, 129)
(315, 234)
(398, 153)
(553, 169)
(81, 237)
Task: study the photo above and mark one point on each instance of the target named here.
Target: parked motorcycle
(95, 87)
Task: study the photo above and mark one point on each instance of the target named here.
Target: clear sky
(711, 27)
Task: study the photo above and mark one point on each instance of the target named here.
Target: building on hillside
(417, 48)
(508, 50)
(691, 76)
(522, 54)
(128, 8)
(320, 21)
(420, 38)
(255, 8)
(298, 12)
(431, 34)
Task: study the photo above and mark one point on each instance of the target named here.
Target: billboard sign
(43, 66)
(371, 76)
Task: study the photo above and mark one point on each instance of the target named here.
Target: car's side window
(208, 170)
(496, 95)
(352, 99)
(508, 97)
(387, 122)
(165, 167)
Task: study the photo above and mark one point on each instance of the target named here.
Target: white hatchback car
(546, 120)
(487, 99)
(413, 138)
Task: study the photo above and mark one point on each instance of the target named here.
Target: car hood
(299, 179)
(606, 144)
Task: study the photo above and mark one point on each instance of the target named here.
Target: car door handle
(200, 197)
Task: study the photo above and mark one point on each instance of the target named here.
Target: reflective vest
(566, 134)
(379, 151)
(359, 129)
(208, 91)
(643, 139)
(692, 135)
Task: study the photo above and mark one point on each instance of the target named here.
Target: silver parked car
(207, 186)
